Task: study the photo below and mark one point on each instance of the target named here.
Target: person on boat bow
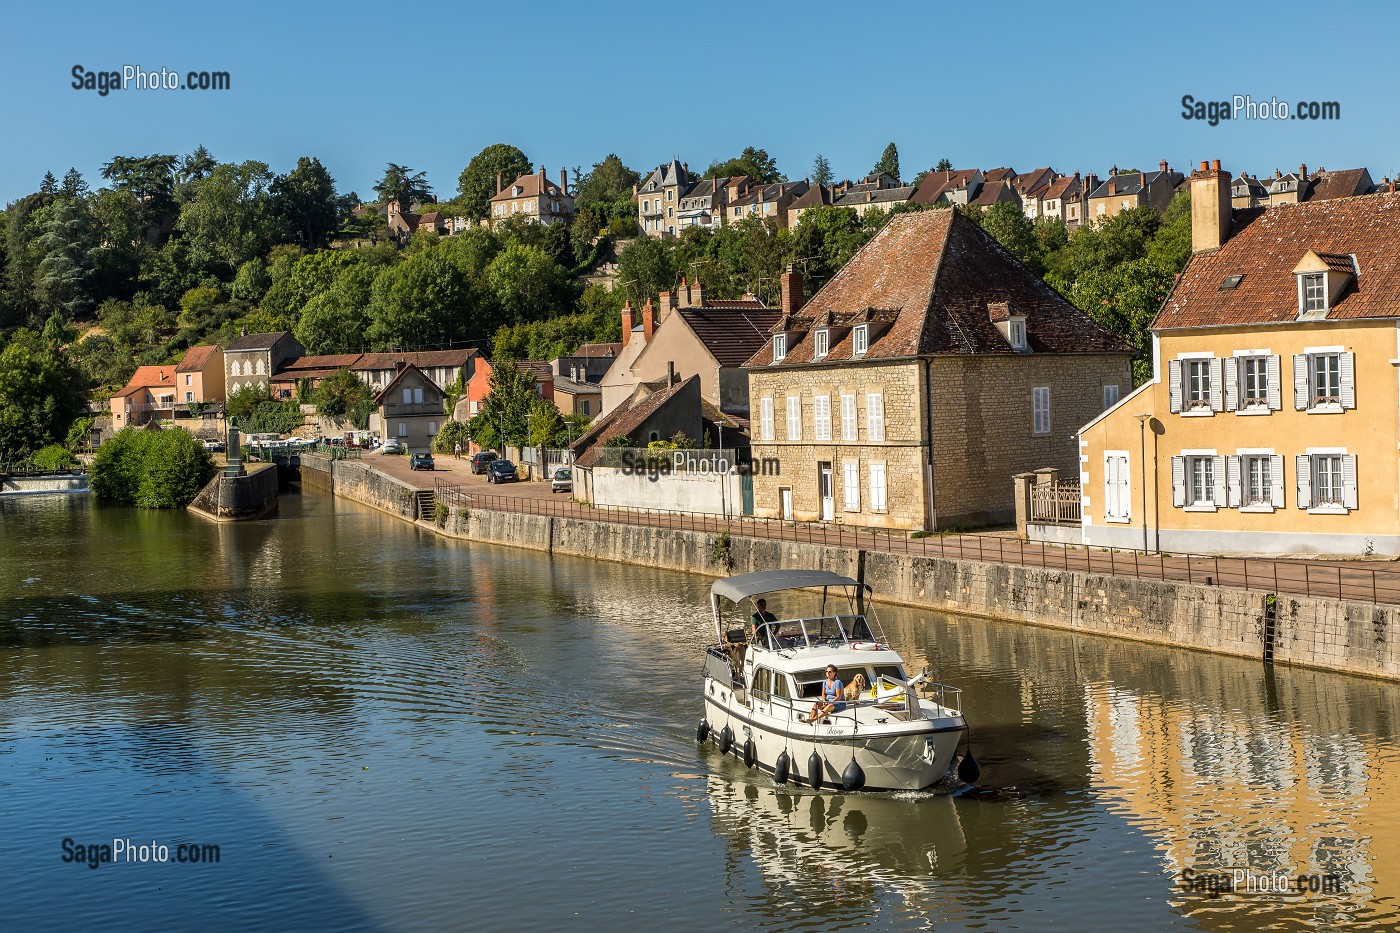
(833, 697)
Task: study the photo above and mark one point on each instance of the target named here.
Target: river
(383, 730)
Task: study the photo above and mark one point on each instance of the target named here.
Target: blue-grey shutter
(1232, 482)
(1178, 481)
(1229, 368)
(1348, 372)
(1349, 480)
(1276, 478)
(1275, 391)
(1174, 381)
(1300, 381)
(1218, 470)
(1303, 464)
(1217, 401)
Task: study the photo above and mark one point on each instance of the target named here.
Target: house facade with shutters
(410, 409)
(924, 375)
(1272, 422)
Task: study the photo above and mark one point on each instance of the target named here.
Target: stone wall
(355, 480)
(238, 498)
(1354, 638)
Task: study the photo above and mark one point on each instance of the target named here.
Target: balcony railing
(1056, 504)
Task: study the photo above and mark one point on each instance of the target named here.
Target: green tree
(69, 246)
(241, 404)
(477, 183)
(755, 163)
(152, 469)
(889, 162)
(295, 286)
(645, 268)
(39, 396)
(607, 192)
(944, 165)
(251, 281)
(223, 222)
(821, 170)
(336, 319)
(452, 434)
(303, 204)
(546, 425)
(424, 301)
(1010, 227)
(401, 183)
(343, 395)
(526, 283)
(504, 416)
(194, 166)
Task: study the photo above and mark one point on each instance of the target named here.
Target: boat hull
(902, 757)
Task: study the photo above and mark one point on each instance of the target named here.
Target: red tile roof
(195, 358)
(936, 274)
(1265, 245)
(530, 185)
(936, 184)
(597, 350)
(331, 362)
(1345, 183)
(149, 377)
(624, 420)
(422, 358)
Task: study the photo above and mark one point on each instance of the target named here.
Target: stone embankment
(1310, 631)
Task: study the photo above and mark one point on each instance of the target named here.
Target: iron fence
(1056, 503)
(1340, 579)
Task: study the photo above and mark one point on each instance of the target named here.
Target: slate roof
(731, 335)
(815, 196)
(933, 275)
(256, 341)
(570, 387)
(195, 358)
(1265, 246)
(875, 196)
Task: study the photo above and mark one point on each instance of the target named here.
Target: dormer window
(779, 347)
(860, 339)
(823, 343)
(1017, 334)
(1313, 293)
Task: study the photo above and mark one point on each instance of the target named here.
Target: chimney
(649, 319)
(1163, 166)
(684, 295)
(667, 302)
(498, 182)
(1303, 170)
(1112, 186)
(564, 180)
(685, 173)
(790, 300)
(697, 294)
(628, 321)
(1210, 207)
(400, 365)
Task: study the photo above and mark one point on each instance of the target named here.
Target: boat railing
(948, 697)
(817, 631)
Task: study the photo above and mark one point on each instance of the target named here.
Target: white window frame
(765, 418)
(850, 473)
(794, 418)
(403, 429)
(821, 343)
(860, 339)
(407, 396)
(779, 347)
(875, 416)
(1017, 330)
(1243, 473)
(1308, 472)
(1312, 301)
(821, 417)
(879, 500)
(1040, 410)
(1110, 395)
(850, 430)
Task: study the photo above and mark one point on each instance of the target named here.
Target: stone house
(1067, 199)
(410, 409)
(705, 203)
(689, 333)
(1136, 189)
(766, 202)
(442, 366)
(252, 359)
(925, 374)
(1270, 424)
(534, 198)
(815, 196)
(659, 199)
(956, 186)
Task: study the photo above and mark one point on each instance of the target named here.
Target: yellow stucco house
(1272, 422)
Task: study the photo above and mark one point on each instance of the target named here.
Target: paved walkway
(1368, 581)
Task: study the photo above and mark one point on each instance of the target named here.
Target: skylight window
(1231, 282)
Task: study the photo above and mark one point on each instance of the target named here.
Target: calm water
(385, 731)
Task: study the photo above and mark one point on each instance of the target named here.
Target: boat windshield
(823, 631)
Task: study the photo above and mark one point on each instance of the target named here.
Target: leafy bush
(453, 432)
(52, 457)
(152, 469)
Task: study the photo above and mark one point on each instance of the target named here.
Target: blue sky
(570, 82)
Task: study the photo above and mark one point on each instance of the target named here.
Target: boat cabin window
(892, 671)
(780, 686)
(857, 629)
(760, 682)
(809, 684)
(780, 635)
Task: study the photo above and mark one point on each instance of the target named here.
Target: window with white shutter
(877, 487)
(1040, 410)
(875, 416)
(1199, 481)
(1116, 486)
(794, 418)
(1331, 480)
(849, 430)
(1174, 385)
(850, 471)
(408, 396)
(765, 419)
(418, 395)
(821, 416)
(1110, 396)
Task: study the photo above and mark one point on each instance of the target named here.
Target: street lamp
(1142, 472)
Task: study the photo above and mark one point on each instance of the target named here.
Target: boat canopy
(771, 581)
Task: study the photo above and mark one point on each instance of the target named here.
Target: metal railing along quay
(1339, 579)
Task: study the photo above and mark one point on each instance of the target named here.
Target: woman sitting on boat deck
(833, 697)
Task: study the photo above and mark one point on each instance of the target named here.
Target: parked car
(501, 471)
(421, 462)
(563, 480)
(481, 461)
(213, 446)
(391, 446)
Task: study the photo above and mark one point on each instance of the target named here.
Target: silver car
(562, 481)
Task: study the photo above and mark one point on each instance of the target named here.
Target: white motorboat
(763, 676)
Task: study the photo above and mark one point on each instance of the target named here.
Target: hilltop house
(1270, 424)
(659, 199)
(534, 198)
(1136, 189)
(931, 368)
(252, 359)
